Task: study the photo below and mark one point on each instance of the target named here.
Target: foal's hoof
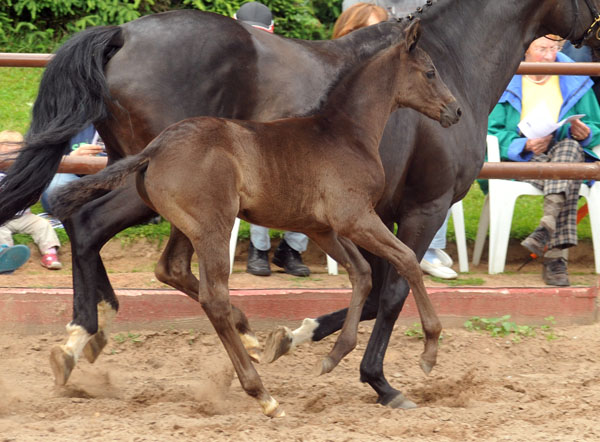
(252, 346)
(401, 402)
(271, 408)
(62, 364)
(94, 347)
(325, 366)
(279, 342)
(426, 366)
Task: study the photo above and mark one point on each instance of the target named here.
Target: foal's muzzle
(450, 114)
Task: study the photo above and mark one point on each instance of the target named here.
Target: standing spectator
(527, 97)
(287, 255)
(11, 256)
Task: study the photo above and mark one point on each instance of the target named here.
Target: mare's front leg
(174, 269)
(417, 230)
(94, 300)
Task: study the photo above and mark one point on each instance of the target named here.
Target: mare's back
(207, 64)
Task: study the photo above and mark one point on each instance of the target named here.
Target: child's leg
(40, 229)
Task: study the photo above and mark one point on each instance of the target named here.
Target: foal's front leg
(174, 269)
(346, 254)
(371, 234)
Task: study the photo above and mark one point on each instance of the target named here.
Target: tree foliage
(42, 25)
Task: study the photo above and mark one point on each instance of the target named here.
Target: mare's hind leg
(94, 300)
(371, 234)
(359, 272)
(174, 269)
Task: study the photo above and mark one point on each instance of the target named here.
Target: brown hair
(357, 17)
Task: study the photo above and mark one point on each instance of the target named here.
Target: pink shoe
(51, 262)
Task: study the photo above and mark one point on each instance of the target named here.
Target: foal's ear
(413, 33)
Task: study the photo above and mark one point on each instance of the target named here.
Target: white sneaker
(437, 269)
(443, 257)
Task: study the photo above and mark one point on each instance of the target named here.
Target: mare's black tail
(72, 96)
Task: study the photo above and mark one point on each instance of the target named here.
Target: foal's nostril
(459, 112)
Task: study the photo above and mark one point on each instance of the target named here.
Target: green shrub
(42, 25)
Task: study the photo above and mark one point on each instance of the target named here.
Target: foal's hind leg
(174, 269)
(213, 266)
(371, 234)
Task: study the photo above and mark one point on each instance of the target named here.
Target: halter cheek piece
(587, 34)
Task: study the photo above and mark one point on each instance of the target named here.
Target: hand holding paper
(538, 123)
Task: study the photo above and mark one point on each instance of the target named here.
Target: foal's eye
(430, 74)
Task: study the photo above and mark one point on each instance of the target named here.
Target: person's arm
(588, 105)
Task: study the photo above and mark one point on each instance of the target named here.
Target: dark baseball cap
(255, 14)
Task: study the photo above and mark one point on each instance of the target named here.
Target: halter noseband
(577, 43)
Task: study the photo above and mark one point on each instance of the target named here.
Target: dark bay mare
(136, 79)
(203, 172)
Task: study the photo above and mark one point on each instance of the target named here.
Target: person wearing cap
(12, 257)
(288, 253)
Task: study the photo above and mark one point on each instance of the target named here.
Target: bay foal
(321, 175)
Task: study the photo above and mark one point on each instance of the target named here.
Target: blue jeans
(59, 180)
(259, 236)
(438, 242)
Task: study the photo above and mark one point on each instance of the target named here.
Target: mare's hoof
(426, 366)
(401, 402)
(62, 364)
(252, 346)
(326, 365)
(94, 347)
(279, 343)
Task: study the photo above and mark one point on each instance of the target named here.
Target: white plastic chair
(458, 218)
(498, 209)
(332, 265)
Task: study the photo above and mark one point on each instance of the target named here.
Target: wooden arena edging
(50, 309)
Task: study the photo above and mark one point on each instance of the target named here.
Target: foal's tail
(71, 96)
(69, 198)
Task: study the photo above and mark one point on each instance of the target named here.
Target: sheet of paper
(538, 123)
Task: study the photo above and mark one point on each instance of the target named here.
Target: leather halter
(587, 34)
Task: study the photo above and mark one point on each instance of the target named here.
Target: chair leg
(593, 201)
(233, 243)
(482, 230)
(332, 266)
(501, 213)
(458, 218)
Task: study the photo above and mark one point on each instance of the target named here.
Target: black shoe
(537, 241)
(555, 272)
(289, 260)
(258, 262)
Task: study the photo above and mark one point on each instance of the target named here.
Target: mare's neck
(340, 56)
(477, 45)
(361, 103)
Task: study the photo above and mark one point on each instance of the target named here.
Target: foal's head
(418, 84)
